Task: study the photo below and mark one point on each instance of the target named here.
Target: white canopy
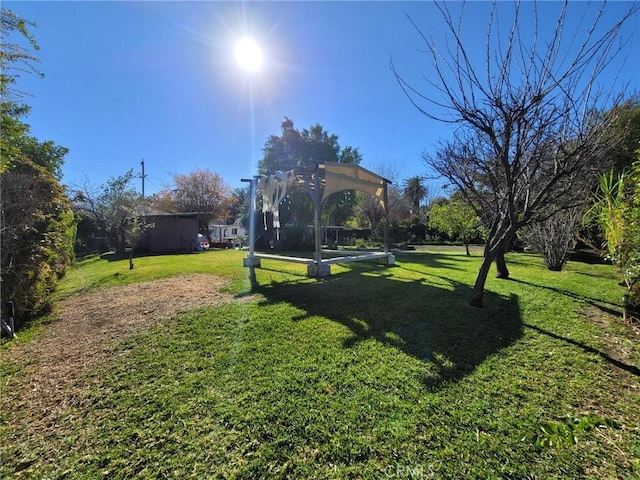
(346, 176)
(336, 177)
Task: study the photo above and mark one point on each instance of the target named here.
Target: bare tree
(529, 137)
(554, 237)
(371, 212)
(115, 207)
(369, 209)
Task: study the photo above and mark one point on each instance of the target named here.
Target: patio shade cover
(346, 176)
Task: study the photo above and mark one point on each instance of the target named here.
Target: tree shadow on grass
(605, 356)
(426, 317)
(588, 256)
(600, 304)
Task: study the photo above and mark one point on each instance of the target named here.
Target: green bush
(37, 225)
(37, 237)
(616, 211)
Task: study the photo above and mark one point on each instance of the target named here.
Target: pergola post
(318, 269)
(250, 260)
(317, 256)
(389, 258)
(386, 219)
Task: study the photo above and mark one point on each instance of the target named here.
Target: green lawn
(374, 372)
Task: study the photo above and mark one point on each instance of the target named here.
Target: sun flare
(248, 54)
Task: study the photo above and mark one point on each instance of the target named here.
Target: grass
(111, 269)
(374, 372)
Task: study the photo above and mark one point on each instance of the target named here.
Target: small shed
(171, 232)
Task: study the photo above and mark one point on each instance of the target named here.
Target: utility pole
(142, 177)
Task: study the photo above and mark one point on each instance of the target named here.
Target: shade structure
(346, 176)
(336, 177)
(321, 181)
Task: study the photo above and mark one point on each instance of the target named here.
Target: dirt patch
(85, 333)
(605, 319)
(597, 316)
(619, 350)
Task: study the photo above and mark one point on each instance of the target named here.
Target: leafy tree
(162, 201)
(15, 58)
(627, 128)
(135, 228)
(528, 142)
(415, 191)
(457, 219)
(607, 209)
(627, 256)
(295, 148)
(17, 144)
(115, 207)
(239, 205)
(36, 224)
(616, 210)
(201, 191)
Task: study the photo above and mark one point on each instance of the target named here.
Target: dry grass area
(84, 334)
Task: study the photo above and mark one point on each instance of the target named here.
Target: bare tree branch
(531, 129)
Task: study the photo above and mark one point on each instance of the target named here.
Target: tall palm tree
(415, 191)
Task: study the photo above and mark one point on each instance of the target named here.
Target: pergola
(320, 181)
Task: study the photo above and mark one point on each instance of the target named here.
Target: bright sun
(248, 54)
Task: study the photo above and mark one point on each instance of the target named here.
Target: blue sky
(126, 81)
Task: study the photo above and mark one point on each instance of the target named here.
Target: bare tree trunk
(466, 245)
(481, 278)
(501, 264)
(492, 251)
